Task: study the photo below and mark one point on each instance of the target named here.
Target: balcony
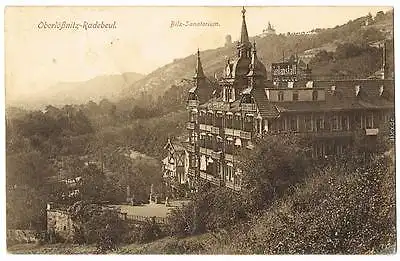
(211, 178)
(215, 130)
(216, 155)
(236, 133)
(190, 125)
(228, 131)
(248, 107)
(245, 135)
(205, 127)
(193, 103)
(206, 151)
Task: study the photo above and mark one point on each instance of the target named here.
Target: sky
(142, 41)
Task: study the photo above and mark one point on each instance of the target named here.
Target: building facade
(248, 104)
(175, 165)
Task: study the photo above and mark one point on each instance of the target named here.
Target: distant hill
(96, 89)
(272, 48)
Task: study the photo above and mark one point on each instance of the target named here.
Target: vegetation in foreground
(340, 206)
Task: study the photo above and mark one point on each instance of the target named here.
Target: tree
(92, 183)
(94, 224)
(276, 163)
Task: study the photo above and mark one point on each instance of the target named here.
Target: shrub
(145, 232)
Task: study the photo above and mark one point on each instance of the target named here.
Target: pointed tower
(201, 91)
(242, 62)
(199, 73)
(244, 47)
(257, 72)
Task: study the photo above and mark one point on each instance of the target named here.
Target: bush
(211, 209)
(338, 210)
(146, 232)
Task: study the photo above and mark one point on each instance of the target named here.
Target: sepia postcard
(200, 130)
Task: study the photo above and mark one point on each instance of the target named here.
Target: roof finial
(199, 68)
(243, 11)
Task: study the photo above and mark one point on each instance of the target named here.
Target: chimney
(381, 89)
(357, 89)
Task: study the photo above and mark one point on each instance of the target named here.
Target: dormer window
(315, 95)
(280, 96)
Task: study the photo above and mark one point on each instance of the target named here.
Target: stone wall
(59, 225)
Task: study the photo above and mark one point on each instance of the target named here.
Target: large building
(248, 104)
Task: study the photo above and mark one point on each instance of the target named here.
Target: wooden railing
(158, 220)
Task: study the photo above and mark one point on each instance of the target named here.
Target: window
(229, 145)
(202, 140)
(209, 142)
(295, 96)
(193, 137)
(293, 123)
(228, 94)
(229, 174)
(218, 120)
(308, 123)
(229, 121)
(335, 123)
(248, 123)
(202, 117)
(237, 122)
(345, 122)
(280, 96)
(315, 95)
(281, 124)
(193, 161)
(210, 118)
(319, 123)
(64, 228)
(318, 150)
(193, 116)
(369, 121)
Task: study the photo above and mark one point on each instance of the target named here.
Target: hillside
(332, 212)
(104, 86)
(271, 48)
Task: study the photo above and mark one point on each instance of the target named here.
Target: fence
(159, 220)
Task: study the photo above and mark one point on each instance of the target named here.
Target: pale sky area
(142, 42)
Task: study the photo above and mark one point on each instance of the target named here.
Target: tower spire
(199, 73)
(244, 36)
